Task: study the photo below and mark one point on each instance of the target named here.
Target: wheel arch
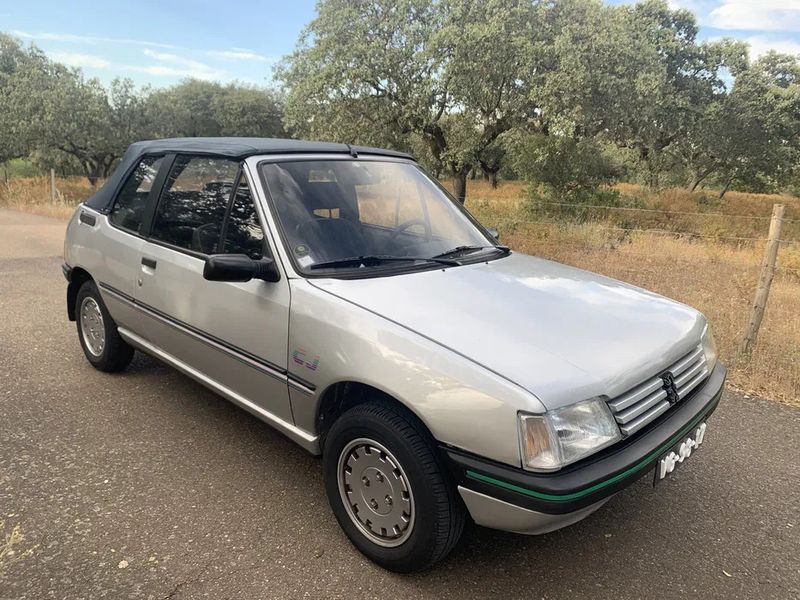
(341, 396)
(77, 278)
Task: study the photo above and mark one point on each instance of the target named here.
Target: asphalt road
(146, 485)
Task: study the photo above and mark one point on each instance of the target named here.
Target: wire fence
(575, 206)
(754, 266)
(668, 232)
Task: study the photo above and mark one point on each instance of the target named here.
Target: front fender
(463, 404)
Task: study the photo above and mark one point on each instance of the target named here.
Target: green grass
(19, 167)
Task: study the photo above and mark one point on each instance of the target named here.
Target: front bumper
(512, 499)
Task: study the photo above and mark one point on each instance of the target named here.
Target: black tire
(116, 353)
(438, 511)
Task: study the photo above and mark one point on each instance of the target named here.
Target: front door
(233, 334)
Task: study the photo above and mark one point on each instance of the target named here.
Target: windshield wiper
(378, 259)
(459, 250)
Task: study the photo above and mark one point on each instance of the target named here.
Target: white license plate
(679, 453)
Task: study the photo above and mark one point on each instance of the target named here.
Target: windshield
(334, 212)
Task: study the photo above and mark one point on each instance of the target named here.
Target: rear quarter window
(131, 201)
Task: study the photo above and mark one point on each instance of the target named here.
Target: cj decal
(304, 360)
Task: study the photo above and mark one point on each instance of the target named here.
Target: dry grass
(9, 547)
(714, 274)
(32, 194)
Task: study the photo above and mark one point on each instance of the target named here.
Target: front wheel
(97, 332)
(388, 490)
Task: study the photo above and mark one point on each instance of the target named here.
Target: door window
(192, 205)
(243, 232)
(129, 207)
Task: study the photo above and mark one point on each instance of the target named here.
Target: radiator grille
(649, 400)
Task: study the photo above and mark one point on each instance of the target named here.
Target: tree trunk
(652, 178)
(93, 173)
(699, 177)
(87, 171)
(460, 183)
(725, 187)
(490, 172)
(108, 167)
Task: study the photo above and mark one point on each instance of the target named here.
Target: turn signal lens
(538, 450)
(709, 348)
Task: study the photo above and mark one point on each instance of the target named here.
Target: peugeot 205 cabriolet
(343, 296)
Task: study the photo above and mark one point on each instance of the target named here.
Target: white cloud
(761, 44)
(178, 66)
(237, 54)
(76, 59)
(87, 39)
(169, 65)
(158, 70)
(696, 6)
(755, 15)
(231, 54)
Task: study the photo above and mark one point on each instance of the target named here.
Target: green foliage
(576, 205)
(203, 108)
(567, 168)
(566, 175)
(446, 73)
(15, 62)
(748, 137)
(62, 120)
(20, 167)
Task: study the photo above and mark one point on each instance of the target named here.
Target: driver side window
(192, 205)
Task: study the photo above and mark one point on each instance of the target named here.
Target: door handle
(87, 219)
(149, 262)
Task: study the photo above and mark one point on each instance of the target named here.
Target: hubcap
(92, 328)
(376, 492)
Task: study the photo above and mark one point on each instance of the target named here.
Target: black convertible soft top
(233, 147)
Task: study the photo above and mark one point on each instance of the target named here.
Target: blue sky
(161, 42)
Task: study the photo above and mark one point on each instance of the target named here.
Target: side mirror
(494, 233)
(239, 267)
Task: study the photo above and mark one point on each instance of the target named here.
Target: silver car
(341, 295)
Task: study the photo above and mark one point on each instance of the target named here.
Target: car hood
(561, 333)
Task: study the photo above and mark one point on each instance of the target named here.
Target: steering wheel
(410, 223)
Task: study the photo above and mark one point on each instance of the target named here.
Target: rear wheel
(388, 490)
(97, 332)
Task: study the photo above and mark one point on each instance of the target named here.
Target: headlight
(709, 348)
(560, 437)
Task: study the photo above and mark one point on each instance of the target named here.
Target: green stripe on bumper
(605, 483)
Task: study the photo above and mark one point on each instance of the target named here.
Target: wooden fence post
(764, 280)
(52, 186)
